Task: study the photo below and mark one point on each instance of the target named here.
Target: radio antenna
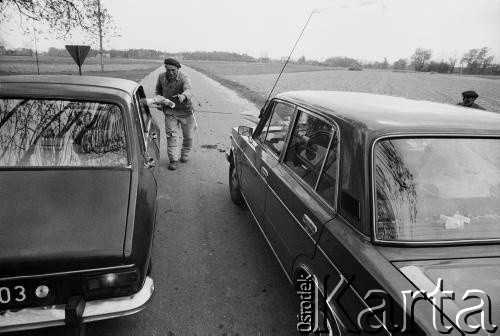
(318, 10)
(290, 55)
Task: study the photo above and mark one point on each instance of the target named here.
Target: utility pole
(99, 22)
(36, 51)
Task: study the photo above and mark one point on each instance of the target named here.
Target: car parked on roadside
(78, 200)
(386, 205)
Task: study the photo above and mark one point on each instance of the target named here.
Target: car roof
(388, 114)
(105, 82)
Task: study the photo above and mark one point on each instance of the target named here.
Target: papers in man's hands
(159, 102)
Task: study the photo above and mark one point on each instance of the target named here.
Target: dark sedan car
(383, 212)
(78, 200)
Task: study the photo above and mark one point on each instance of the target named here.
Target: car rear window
(54, 133)
(437, 189)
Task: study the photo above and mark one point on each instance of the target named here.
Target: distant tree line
(217, 56)
(475, 61)
(141, 54)
(17, 52)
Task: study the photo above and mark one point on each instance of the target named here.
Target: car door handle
(309, 225)
(154, 136)
(264, 172)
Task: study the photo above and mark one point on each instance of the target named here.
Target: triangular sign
(78, 52)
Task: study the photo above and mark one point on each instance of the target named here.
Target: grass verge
(242, 90)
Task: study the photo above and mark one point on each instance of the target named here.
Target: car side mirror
(245, 130)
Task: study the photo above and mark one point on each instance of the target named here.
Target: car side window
(327, 184)
(308, 147)
(274, 133)
(145, 114)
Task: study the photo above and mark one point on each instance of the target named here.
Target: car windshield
(437, 189)
(41, 132)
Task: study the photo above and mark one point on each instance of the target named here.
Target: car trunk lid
(473, 282)
(70, 218)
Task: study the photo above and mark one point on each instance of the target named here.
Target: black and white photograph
(322, 167)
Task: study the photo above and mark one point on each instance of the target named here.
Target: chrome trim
(291, 126)
(309, 224)
(372, 187)
(264, 172)
(103, 269)
(49, 316)
(269, 243)
(351, 287)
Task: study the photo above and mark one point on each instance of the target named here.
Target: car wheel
(234, 186)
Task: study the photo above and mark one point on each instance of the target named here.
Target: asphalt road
(214, 273)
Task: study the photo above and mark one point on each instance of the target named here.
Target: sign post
(79, 53)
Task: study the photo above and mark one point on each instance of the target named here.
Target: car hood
(473, 281)
(62, 220)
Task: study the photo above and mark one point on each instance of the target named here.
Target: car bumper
(49, 316)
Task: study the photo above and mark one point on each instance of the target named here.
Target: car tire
(234, 187)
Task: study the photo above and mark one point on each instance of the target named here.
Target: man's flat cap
(172, 61)
(472, 94)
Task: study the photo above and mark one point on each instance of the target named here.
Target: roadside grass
(245, 92)
(222, 72)
(253, 68)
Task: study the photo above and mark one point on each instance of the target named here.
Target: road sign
(79, 53)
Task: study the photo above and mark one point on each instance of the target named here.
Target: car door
(150, 133)
(262, 152)
(148, 161)
(302, 188)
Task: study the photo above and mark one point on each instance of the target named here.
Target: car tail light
(110, 280)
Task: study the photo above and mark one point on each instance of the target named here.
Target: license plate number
(12, 294)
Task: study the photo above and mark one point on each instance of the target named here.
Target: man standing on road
(176, 86)
(468, 100)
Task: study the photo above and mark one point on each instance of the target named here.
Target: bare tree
(61, 16)
(420, 58)
(477, 60)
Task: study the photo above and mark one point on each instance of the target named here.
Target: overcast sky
(364, 29)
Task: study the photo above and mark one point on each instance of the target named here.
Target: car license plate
(12, 295)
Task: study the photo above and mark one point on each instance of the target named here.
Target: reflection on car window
(61, 133)
(277, 127)
(328, 181)
(308, 147)
(437, 189)
(145, 114)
